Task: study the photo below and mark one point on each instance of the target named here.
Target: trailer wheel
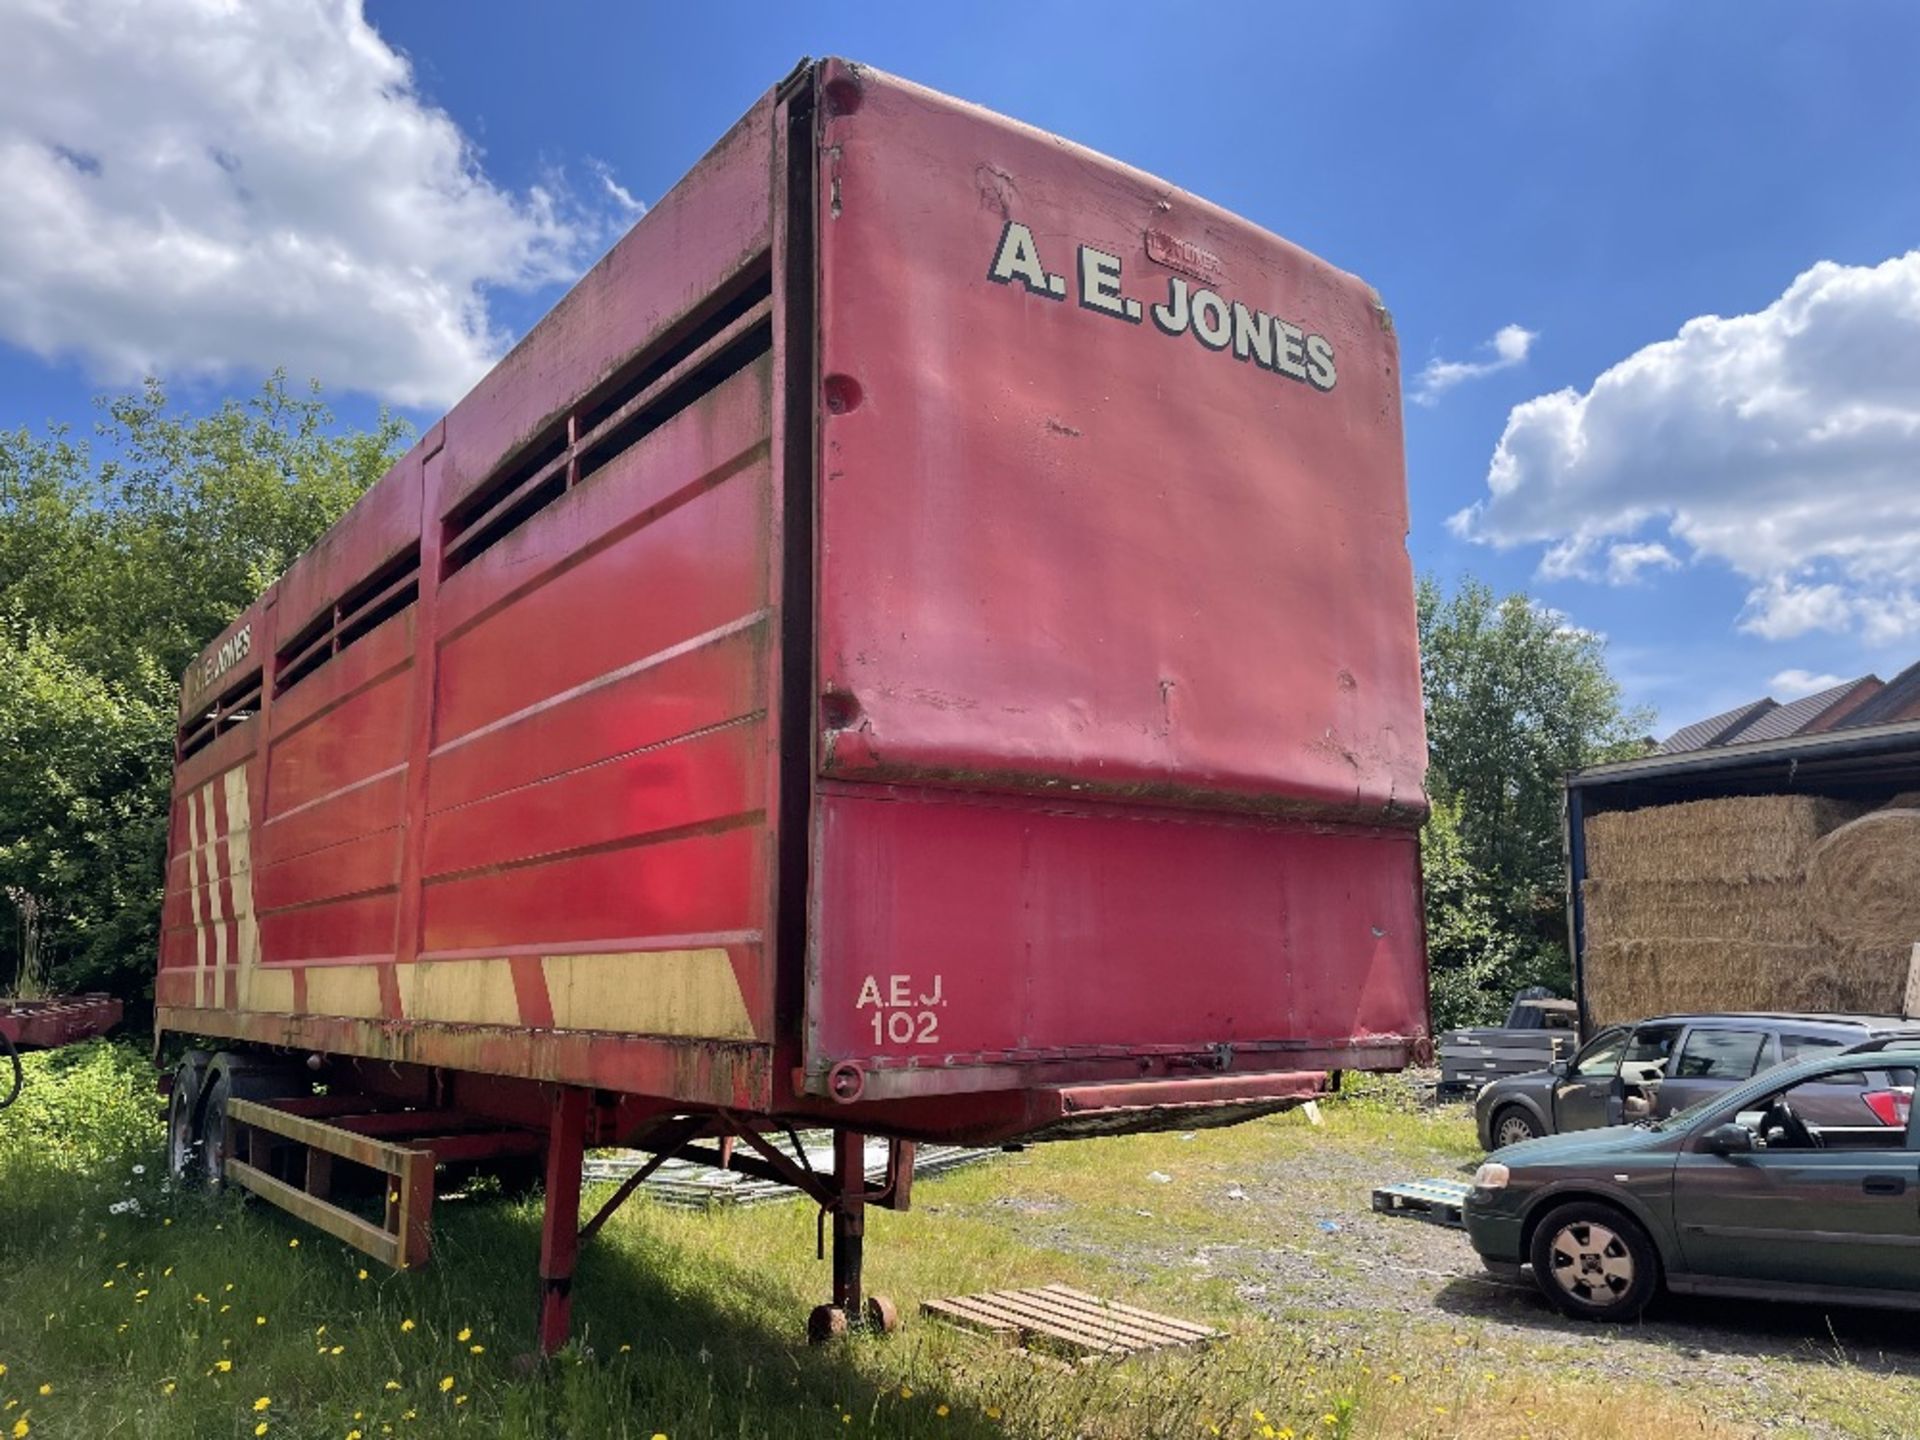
(882, 1314)
(827, 1322)
(235, 1076)
(184, 1133)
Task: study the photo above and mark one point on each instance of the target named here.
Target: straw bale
(1905, 800)
(1632, 979)
(1773, 912)
(1863, 881)
(1749, 837)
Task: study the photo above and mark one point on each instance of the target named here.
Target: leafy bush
(86, 1109)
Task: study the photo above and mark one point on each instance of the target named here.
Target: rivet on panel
(842, 393)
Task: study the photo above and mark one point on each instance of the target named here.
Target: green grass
(179, 1316)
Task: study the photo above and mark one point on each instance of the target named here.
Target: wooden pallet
(1438, 1202)
(1055, 1319)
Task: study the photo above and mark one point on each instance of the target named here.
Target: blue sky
(1741, 503)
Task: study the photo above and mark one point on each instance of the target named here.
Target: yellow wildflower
(337, 1350)
(21, 1429)
(446, 1383)
(47, 1388)
(263, 1403)
(361, 1276)
(166, 1272)
(106, 1284)
(259, 1319)
(141, 1294)
(225, 1308)
(262, 1428)
(466, 1334)
(353, 1435)
(294, 1243)
(393, 1385)
(459, 1399)
(406, 1325)
(906, 1392)
(941, 1411)
(223, 1365)
(167, 1387)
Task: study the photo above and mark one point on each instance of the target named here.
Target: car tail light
(1890, 1107)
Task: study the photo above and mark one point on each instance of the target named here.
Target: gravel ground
(1295, 1236)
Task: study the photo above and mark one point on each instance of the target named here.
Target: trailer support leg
(849, 1218)
(560, 1226)
(845, 1198)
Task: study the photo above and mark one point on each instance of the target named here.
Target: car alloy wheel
(1513, 1127)
(1591, 1263)
(1595, 1262)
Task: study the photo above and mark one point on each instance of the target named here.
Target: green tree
(119, 559)
(1515, 699)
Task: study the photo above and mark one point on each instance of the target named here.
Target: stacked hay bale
(1707, 906)
(1863, 882)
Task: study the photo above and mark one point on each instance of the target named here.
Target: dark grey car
(1650, 1070)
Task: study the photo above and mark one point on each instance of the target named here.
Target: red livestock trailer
(919, 641)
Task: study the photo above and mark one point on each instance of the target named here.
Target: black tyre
(1594, 1262)
(213, 1131)
(236, 1077)
(183, 1120)
(1514, 1124)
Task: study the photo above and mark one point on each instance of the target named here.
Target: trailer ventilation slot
(235, 707)
(661, 382)
(381, 596)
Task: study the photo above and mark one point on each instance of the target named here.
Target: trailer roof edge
(1865, 742)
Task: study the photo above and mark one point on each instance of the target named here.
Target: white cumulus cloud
(1784, 444)
(1507, 349)
(1793, 684)
(1626, 562)
(210, 187)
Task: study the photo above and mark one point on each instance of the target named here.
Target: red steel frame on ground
(920, 640)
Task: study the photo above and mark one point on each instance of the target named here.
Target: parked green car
(1769, 1191)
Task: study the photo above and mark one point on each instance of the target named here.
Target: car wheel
(1594, 1262)
(1512, 1125)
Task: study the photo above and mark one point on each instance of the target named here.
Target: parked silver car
(1649, 1070)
